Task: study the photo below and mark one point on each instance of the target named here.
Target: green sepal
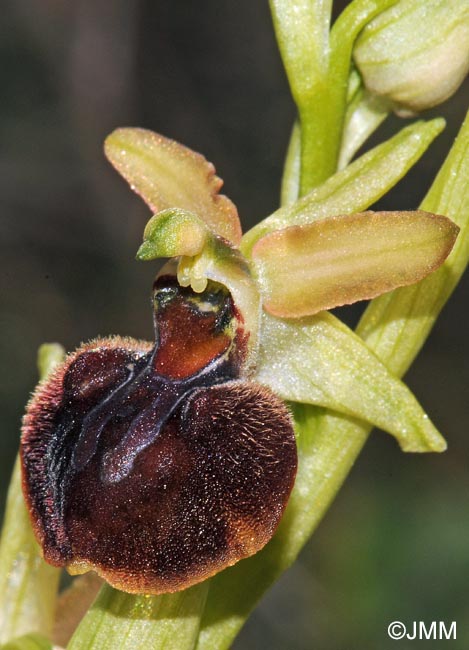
(357, 186)
(319, 360)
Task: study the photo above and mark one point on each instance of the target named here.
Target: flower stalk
(317, 62)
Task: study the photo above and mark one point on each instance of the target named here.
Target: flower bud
(416, 54)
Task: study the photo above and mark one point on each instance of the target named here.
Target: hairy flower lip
(157, 482)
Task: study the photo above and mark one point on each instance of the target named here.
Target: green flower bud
(415, 54)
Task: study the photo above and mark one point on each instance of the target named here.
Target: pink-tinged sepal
(167, 174)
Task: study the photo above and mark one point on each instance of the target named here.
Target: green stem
(28, 586)
(302, 31)
(343, 35)
(322, 112)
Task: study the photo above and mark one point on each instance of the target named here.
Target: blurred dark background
(395, 544)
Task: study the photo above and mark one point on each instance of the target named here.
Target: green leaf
(127, 622)
(171, 233)
(28, 586)
(318, 360)
(303, 270)
(28, 642)
(357, 186)
(168, 175)
(364, 115)
(330, 443)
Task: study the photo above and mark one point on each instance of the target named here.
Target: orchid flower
(159, 465)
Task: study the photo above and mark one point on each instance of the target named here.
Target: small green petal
(168, 175)
(303, 270)
(318, 360)
(171, 233)
(357, 186)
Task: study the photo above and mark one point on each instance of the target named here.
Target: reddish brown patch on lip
(158, 480)
(187, 342)
(194, 330)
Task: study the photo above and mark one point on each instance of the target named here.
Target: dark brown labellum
(158, 466)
